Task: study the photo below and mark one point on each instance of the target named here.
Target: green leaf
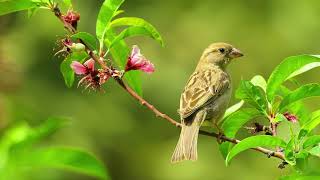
(289, 68)
(120, 50)
(48, 127)
(233, 109)
(300, 111)
(67, 72)
(297, 108)
(312, 122)
(14, 135)
(134, 31)
(306, 91)
(299, 177)
(233, 123)
(87, 38)
(259, 80)
(65, 68)
(107, 11)
(21, 136)
(69, 159)
(302, 133)
(279, 117)
(295, 82)
(120, 53)
(311, 141)
(253, 95)
(10, 6)
(32, 12)
(142, 27)
(118, 13)
(315, 151)
(289, 152)
(302, 158)
(45, 129)
(254, 141)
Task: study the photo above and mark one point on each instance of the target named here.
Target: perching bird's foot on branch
(220, 139)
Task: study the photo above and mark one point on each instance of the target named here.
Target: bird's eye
(222, 50)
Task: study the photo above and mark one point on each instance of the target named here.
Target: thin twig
(274, 129)
(236, 141)
(158, 113)
(145, 103)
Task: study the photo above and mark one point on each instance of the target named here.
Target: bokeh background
(129, 139)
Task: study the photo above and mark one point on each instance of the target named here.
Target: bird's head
(220, 54)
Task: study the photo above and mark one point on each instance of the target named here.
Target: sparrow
(205, 97)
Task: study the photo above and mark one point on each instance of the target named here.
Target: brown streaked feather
(203, 87)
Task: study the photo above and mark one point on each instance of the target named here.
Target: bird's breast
(217, 108)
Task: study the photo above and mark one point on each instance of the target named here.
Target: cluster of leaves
(21, 151)
(108, 40)
(273, 101)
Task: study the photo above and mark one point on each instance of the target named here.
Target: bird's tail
(186, 148)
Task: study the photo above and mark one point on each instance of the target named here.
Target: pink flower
(291, 117)
(85, 68)
(72, 18)
(137, 61)
(91, 78)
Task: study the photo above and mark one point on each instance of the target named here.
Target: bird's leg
(220, 133)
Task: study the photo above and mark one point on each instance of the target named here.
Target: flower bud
(72, 18)
(291, 117)
(77, 47)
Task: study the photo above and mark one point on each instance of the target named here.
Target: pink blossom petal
(135, 51)
(78, 68)
(90, 64)
(137, 61)
(148, 67)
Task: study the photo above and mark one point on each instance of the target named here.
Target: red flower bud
(72, 18)
(291, 117)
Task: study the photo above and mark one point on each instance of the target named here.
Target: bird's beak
(235, 53)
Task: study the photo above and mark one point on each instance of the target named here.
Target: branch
(145, 103)
(158, 113)
(236, 141)
(274, 129)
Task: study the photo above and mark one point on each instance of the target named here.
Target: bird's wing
(201, 88)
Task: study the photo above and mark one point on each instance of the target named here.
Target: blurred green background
(129, 139)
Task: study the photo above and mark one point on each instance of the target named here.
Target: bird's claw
(220, 140)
